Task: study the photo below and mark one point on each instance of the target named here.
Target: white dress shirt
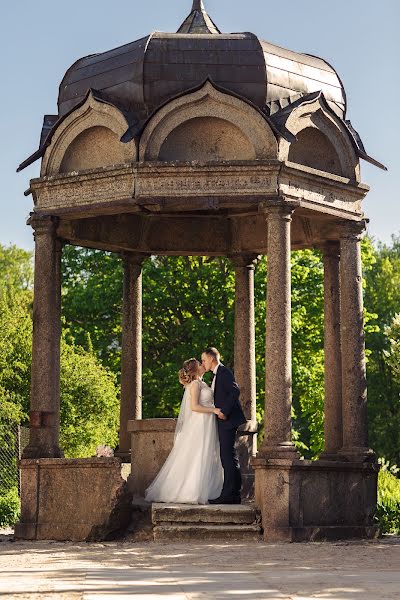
(215, 375)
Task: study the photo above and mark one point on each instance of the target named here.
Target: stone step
(235, 514)
(203, 532)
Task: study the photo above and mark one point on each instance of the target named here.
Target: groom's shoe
(231, 500)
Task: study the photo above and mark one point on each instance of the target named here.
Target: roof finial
(198, 21)
(198, 5)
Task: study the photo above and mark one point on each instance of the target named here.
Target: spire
(198, 21)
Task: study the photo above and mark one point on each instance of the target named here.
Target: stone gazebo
(204, 143)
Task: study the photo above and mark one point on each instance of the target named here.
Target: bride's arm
(195, 397)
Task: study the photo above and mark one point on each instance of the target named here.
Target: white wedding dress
(192, 472)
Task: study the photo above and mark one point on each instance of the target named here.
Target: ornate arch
(249, 129)
(104, 125)
(316, 116)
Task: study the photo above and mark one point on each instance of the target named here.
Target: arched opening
(206, 139)
(313, 149)
(94, 147)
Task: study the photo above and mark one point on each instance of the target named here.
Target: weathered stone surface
(322, 141)
(278, 353)
(210, 513)
(251, 136)
(177, 187)
(355, 417)
(89, 138)
(333, 422)
(73, 499)
(45, 380)
(152, 441)
(311, 495)
(220, 522)
(206, 532)
(131, 358)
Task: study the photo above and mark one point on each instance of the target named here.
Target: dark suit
(226, 397)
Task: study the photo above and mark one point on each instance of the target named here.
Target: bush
(388, 508)
(9, 508)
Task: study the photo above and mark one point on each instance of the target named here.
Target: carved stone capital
(43, 224)
(135, 258)
(330, 249)
(245, 261)
(278, 212)
(134, 261)
(278, 209)
(352, 230)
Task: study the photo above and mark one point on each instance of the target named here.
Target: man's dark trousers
(230, 463)
(226, 397)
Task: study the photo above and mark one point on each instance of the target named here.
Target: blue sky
(40, 39)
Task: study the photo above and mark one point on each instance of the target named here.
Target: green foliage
(15, 352)
(89, 403)
(388, 507)
(9, 507)
(92, 300)
(382, 300)
(16, 269)
(393, 354)
(89, 400)
(308, 351)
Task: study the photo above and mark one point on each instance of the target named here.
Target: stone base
(73, 499)
(246, 446)
(320, 534)
(184, 522)
(313, 500)
(152, 441)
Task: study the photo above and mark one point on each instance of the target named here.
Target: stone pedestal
(246, 446)
(83, 499)
(316, 500)
(152, 441)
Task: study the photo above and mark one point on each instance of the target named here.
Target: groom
(226, 398)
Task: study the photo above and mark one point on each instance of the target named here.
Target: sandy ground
(122, 570)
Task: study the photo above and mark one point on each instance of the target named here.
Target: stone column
(354, 390)
(131, 360)
(45, 381)
(245, 342)
(333, 351)
(278, 381)
(245, 365)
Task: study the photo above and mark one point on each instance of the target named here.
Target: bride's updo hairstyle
(189, 371)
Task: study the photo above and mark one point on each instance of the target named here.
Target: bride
(192, 472)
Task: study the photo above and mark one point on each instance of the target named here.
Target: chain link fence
(14, 438)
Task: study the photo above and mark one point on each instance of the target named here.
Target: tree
(382, 301)
(393, 354)
(89, 399)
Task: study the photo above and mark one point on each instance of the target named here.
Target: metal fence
(13, 440)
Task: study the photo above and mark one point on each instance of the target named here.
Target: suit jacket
(226, 397)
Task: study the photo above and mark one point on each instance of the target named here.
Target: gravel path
(122, 570)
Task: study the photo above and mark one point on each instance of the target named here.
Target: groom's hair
(213, 352)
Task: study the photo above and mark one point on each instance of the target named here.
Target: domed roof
(144, 74)
(141, 76)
